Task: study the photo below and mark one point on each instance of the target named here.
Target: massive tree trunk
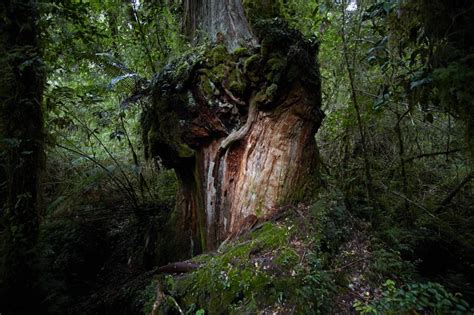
(21, 134)
(237, 124)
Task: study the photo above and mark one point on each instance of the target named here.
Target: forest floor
(312, 258)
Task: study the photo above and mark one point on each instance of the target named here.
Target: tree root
(242, 131)
(236, 135)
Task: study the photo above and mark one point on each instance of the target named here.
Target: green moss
(271, 91)
(237, 84)
(240, 51)
(266, 72)
(217, 55)
(276, 64)
(252, 68)
(219, 73)
(274, 68)
(263, 98)
(238, 87)
(263, 270)
(184, 151)
(207, 87)
(232, 282)
(287, 258)
(251, 61)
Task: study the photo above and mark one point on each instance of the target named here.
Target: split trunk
(238, 123)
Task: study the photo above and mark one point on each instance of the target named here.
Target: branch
(233, 98)
(132, 193)
(432, 154)
(453, 194)
(114, 178)
(339, 269)
(362, 134)
(400, 118)
(412, 202)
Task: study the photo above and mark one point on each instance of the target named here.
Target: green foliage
(232, 278)
(149, 295)
(389, 263)
(70, 254)
(318, 287)
(426, 298)
(256, 11)
(166, 187)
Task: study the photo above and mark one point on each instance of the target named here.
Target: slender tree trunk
(401, 155)
(242, 152)
(350, 73)
(21, 138)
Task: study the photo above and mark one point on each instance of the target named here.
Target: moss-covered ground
(272, 269)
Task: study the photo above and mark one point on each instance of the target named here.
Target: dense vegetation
(88, 219)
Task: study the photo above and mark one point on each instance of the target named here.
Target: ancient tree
(21, 134)
(236, 120)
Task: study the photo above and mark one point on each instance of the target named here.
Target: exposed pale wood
(266, 163)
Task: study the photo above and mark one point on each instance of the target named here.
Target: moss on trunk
(238, 127)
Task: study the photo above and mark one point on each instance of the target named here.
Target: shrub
(415, 298)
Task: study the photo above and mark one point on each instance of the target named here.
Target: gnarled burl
(237, 122)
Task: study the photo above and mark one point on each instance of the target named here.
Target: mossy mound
(270, 269)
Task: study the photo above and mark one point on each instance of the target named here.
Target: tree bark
(218, 20)
(238, 128)
(21, 139)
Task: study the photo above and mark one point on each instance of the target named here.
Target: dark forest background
(84, 220)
